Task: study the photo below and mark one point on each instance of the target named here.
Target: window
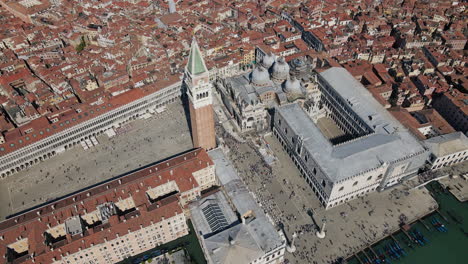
(324, 183)
(370, 177)
(380, 176)
(315, 171)
(355, 183)
(341, 188)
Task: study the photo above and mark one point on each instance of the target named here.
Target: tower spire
(196, 64)
(197, 81)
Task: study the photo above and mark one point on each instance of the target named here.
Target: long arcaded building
(40, 140)
(113, 220)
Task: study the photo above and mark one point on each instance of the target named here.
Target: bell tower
(197, 81)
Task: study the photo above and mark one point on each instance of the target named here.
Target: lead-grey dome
(292, 86)
(260, 76)
(268, 60)
(280, 70)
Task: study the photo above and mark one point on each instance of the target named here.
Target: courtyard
(329, 129)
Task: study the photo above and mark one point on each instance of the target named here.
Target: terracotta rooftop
(35, 222)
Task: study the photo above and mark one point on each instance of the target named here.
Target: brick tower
(197, 80)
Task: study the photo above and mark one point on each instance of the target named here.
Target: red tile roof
(32, 224)
(43, 130)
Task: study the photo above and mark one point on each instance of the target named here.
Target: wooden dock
(372, 250)
(424, 224)
(396, 241)
(443, 216)
(358, 258)
(367, 256)
(406, 233)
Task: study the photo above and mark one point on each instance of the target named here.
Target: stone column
(291, 248)
(321, 232)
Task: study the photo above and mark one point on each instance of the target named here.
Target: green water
(446, 248)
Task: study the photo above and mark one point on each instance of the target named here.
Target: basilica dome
(268, 60)
(260, 76)
(280, 70)
(292, 86)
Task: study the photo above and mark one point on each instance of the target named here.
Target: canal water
(450, 247)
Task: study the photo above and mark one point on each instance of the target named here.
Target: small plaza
(292, 206)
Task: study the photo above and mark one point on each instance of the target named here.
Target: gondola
(420, 235)
(400, 250)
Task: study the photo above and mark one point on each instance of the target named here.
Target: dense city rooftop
(51, 71)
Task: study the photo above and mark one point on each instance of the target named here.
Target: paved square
(146, 141)
(286, 197)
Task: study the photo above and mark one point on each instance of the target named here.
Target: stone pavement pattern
(288, 200)
(149, 140)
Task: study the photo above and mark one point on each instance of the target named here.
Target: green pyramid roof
(196, 64)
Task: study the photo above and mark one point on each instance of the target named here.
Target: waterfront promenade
(447, 246)
(457, 185)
